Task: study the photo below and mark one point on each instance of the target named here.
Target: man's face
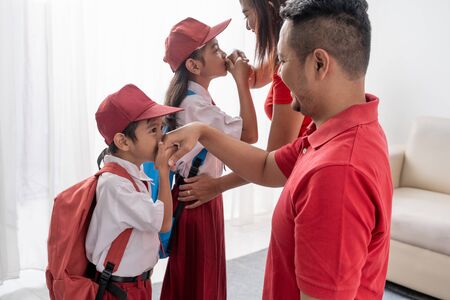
(294, 73)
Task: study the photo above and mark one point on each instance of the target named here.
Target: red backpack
(69, 274)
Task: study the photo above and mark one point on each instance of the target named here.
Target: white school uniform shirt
(120, 206)
(199, 107)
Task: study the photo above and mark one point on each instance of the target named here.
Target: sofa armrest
(396, 157)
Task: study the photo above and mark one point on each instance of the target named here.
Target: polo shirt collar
(353, 116)
(132, 169)
(199, 90)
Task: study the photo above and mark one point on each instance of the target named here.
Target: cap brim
(216, 30)
(156, 111)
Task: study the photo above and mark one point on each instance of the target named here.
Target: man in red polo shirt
(330, 227)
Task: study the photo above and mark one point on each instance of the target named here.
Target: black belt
(144, 276)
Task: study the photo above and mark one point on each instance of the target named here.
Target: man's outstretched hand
(184, 138)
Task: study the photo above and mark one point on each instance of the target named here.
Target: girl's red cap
(186, 37)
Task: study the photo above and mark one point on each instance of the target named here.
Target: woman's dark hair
(178, 87)
(268, 25)
(129, 131)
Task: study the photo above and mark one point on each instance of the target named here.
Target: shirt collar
(131, 168)
(353, 116)
(199, 90)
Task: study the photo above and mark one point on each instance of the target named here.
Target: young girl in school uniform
(196, 266)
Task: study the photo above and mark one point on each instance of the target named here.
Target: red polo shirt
(330, 228)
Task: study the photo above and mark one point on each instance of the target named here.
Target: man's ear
(121, 142)
(193, 66)
(321, 60)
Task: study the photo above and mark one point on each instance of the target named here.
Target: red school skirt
(196, 269)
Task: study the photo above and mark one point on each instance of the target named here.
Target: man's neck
(340, 99)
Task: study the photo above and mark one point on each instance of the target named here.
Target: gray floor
(245, 280)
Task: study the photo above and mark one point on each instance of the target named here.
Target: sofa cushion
(421, 218)
(427, 156)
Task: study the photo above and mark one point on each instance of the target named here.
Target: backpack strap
(193, 171)
(197, 162)
(117, 170)
(118, 246)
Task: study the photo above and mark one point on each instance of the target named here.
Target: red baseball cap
(186, 37)
(127, 105)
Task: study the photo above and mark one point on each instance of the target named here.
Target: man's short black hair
(341, 27)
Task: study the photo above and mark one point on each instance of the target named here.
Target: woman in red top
(262, 18)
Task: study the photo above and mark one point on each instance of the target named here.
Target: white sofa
(420, 232)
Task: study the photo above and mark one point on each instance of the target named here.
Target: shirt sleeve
(287, 156)
(198, 109)
(281, 93)
(332, 232)
(214, 117)
(122, 204)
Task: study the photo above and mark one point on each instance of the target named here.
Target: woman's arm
(285, 126)
(260, 76)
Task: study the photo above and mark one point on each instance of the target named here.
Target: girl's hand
(239, 67)
(162, 157)
(202, 188)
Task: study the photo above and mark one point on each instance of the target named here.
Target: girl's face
(149, 134)
(214, 60)
(250, 15)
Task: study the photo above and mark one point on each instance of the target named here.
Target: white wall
(410, 62)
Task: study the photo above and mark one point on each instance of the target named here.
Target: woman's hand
(202, 188)
(236, 54)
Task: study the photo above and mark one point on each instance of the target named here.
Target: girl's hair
(268, 25)
(178, 87)
(129, 131)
